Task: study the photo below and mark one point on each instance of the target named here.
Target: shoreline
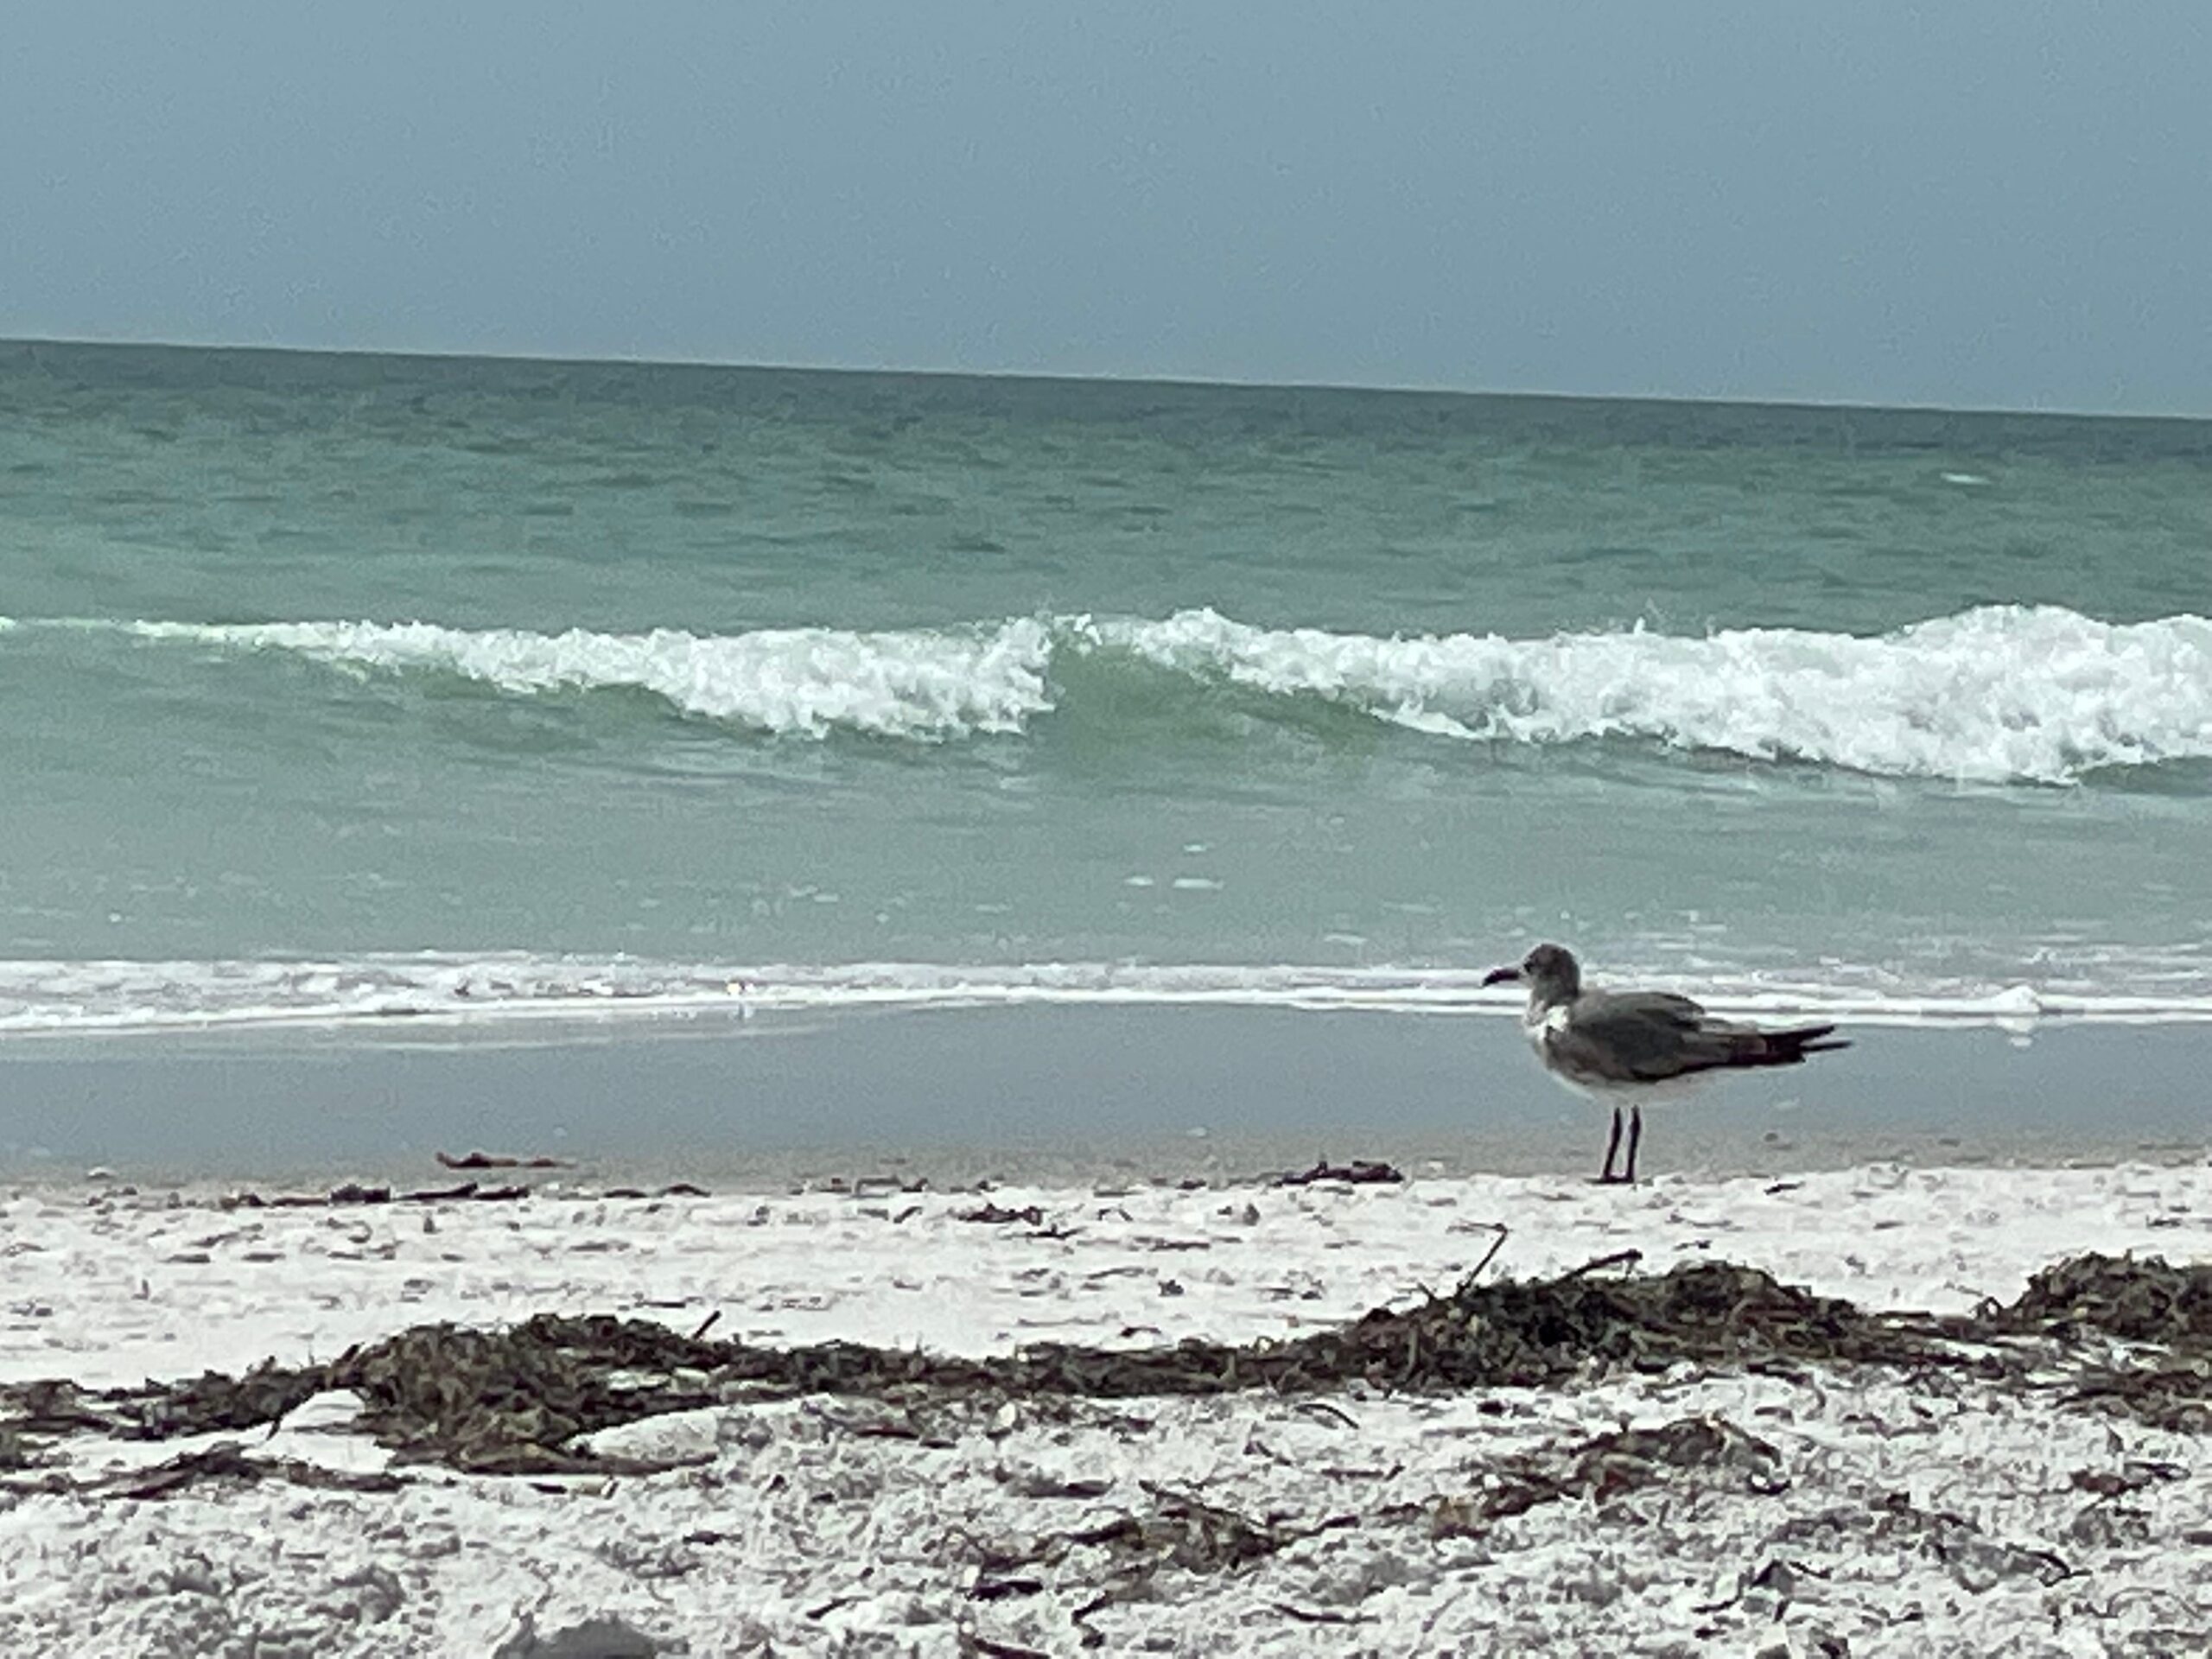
(1054, 1093)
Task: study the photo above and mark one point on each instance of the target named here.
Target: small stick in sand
(499, 1161)
(1490, 1255)
(1306, 1616)
(1618, 1259)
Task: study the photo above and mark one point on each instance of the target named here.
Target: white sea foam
(925, 685)
(518, 989)
(1997, 694)
(2002, 693)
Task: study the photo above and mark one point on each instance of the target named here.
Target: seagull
(1630, 1046)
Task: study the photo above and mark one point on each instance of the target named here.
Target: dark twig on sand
(353, 1193)
(1360, 1172)
(675, 1190)
(226, 1462)
(1001, 1589)
(501, 1161)
(1604, 1263)
(998, 1214)
(971, 1643)
(1314, 1616)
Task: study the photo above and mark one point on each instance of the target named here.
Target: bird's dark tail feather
(1794, 1046)
(1755, 1048)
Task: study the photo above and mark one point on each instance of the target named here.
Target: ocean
(349, 690)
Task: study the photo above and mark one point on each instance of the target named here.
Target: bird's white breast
(1539, 1026)
(1536, 1024)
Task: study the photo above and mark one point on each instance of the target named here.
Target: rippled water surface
(349, 685)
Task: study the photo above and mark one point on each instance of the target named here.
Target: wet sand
(1055, 1093)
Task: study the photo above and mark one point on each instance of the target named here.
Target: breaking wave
(922, 684)
(1998, 694)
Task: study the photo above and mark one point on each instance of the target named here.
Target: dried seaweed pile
(2118, 1296)
(1538, 1331)
(2167, 1309)
(514, 1401)
(507, 1402)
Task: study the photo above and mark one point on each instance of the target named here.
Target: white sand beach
(1784, 1507)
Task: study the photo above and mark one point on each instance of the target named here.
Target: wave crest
(1998, 694)
(922, 684)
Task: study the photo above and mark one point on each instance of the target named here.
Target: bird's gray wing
(1638, 1037)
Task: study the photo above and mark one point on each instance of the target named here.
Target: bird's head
(1549, 971)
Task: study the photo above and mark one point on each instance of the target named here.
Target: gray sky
(1975, 204)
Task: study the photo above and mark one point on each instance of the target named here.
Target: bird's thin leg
(1613, 1149)
(1635, 1135)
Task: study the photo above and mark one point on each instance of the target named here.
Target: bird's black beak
(1501, 975)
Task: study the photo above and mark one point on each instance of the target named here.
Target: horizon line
(1166, 379)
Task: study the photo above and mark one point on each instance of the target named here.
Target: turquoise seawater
(337, 686)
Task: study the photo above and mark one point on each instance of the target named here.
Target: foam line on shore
(42, 997)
